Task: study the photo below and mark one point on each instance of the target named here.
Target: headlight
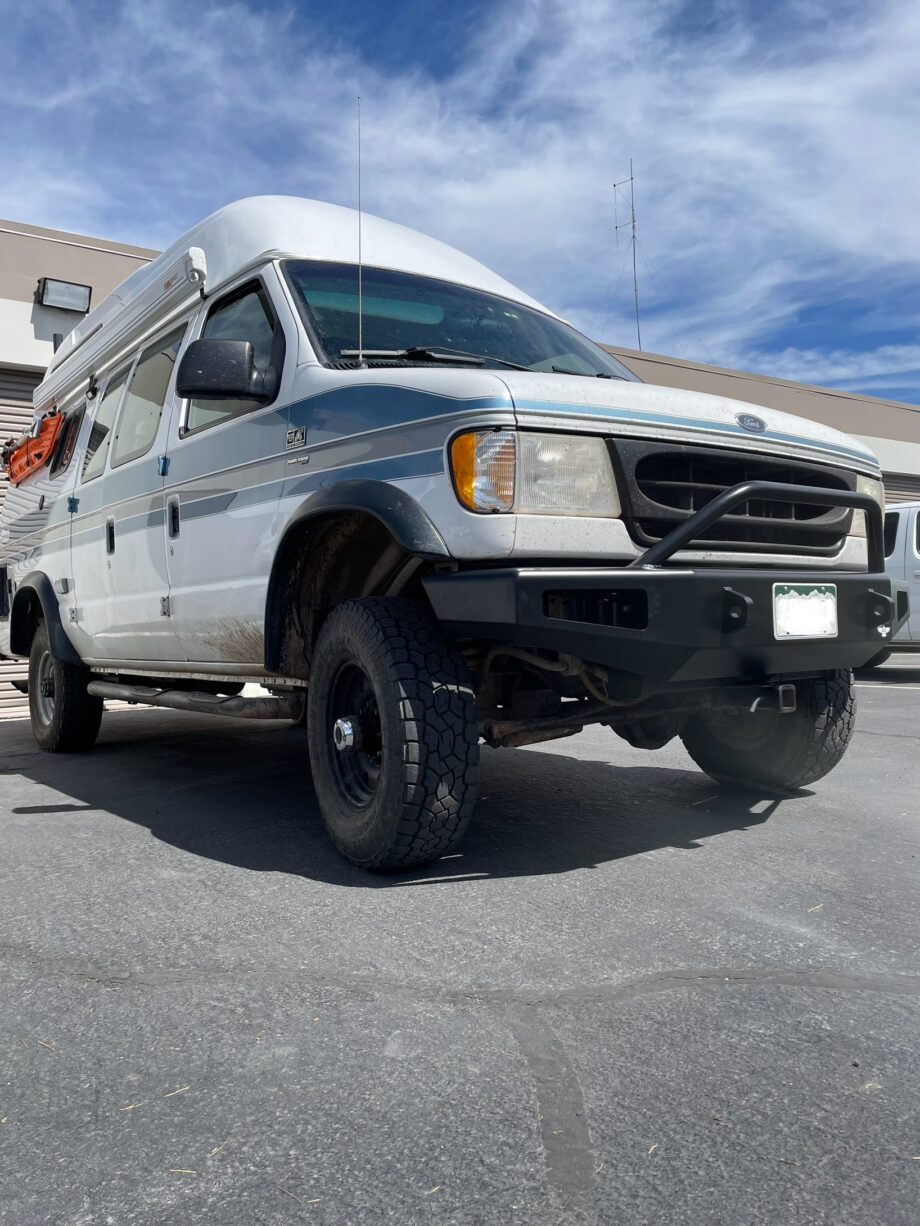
(534, 474)
(875, 489)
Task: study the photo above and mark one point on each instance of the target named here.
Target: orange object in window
(34, 453)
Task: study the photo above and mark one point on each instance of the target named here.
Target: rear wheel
(393, 735)
(65, 719)
(774, 751)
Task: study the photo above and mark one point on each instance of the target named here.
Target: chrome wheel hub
(343, 734)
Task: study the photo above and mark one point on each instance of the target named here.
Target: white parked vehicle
(414, 501)
(902, 562)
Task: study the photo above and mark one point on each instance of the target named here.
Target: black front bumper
(682, 625)
(668, 625)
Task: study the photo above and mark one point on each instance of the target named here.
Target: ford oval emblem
(750, 421)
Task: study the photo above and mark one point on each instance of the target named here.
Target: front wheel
(65, 719)
(393, 735)
(775, 751)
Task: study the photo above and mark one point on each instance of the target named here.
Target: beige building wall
(30, 252)
(890, 428)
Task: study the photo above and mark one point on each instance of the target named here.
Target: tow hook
(779, 698)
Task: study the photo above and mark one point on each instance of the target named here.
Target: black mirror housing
(222, 370)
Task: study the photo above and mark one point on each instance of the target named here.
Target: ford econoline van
(424, 512)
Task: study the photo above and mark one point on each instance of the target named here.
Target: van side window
(892, 519)
(245, 316)
(100, 436)
(139, 420)
(68, 443)
(917, 534)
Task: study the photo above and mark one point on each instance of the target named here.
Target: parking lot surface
(631, 997)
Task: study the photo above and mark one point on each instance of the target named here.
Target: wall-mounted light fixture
(63, 295)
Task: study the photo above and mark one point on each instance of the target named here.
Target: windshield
(404, 312)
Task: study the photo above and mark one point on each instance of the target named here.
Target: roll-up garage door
(16, 388)
(901, 487)
(15, 415)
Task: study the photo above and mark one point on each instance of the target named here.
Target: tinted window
(917, 534)
(402, 311)
(892, 519)
(139, 420)
(245, 317)
(68, 441)
(100, 436)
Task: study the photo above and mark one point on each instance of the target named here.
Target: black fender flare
(409, 525)
(38, 585)
(399, 513)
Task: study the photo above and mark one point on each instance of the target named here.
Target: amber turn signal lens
(482, 464)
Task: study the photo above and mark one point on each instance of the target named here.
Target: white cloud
(774, 163)
(844, 367)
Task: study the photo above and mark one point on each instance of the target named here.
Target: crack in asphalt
(570, 1161)
(569, 1157)
(698, 979)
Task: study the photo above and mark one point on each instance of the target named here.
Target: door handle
(173, 522)
(110, 535)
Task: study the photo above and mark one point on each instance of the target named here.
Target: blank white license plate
(805, 610)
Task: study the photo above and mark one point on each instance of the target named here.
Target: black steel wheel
(392, 733)
(357, 736)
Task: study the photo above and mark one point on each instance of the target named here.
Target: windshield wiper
(588, 374)
(434, 353)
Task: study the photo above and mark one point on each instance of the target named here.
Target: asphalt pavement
(631, 996)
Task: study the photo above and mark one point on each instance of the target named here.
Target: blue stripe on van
(392, 468)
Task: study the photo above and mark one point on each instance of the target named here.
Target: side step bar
(274, 707)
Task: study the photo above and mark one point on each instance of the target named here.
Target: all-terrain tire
(777, 752)
(403, 792)
(65, 719)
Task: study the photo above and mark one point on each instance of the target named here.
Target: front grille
(664, 485)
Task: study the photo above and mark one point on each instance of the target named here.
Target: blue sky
(776, 147)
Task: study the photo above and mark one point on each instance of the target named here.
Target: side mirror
(223, 370)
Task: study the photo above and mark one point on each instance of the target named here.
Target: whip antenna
(361, 362)
(633, 240)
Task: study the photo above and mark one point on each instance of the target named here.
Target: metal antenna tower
(632, 225)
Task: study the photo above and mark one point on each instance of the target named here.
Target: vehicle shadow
(241, 794)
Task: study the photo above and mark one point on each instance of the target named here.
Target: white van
(902, 562)
(424, 511)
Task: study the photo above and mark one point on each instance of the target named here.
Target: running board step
(280, 707)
